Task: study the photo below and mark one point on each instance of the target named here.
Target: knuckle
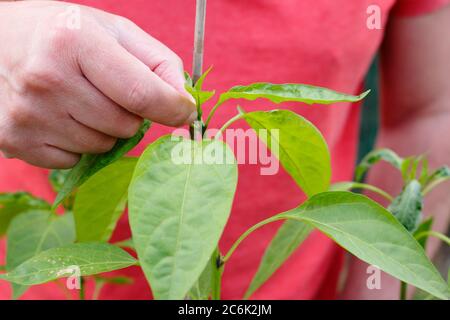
(123, 21)
(37, 76)
(60, 38)
(8, 148)
(19, 115)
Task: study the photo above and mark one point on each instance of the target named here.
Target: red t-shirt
(320, 42)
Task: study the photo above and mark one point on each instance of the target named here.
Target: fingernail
(189, 96)
(192, 117)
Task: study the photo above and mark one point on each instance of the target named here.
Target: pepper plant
(179, 194)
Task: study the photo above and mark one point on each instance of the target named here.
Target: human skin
(415, 95)
(65, 92)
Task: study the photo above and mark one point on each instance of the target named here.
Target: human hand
(66, 90)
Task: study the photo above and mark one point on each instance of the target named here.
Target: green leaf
(424, 171)
(196, 90)
(300, 147)
(278, 93)
(199, 84)
(12, 204)
(374, 157)
(188, 79)
(18, 290)
(374, 235)
(57, 179)
(33, 232)
(201, 290)
(101, 201)
(89, 164)
(438, 176)
(287, 239)
(440, 173)
(200, 96)
(55, 263)
(407, 207)
(175, 231)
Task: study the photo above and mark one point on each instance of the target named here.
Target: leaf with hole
(33, 232)
(85, 258)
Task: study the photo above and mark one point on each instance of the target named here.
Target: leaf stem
(97, 289)
(216, 276)
(82, 289)
(212, 112)
(364, 186)
(403, 289)
(429, 187)
(227, 124)
(248, 232)
(435, 234)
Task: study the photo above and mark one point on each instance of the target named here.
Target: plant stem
(364, 186)
(98, 288)
(216, 276)
(82, 289)
(435, 234)
(248, 232)
(211, 113)
(403, 289)
(428, 188)
(199, 39)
